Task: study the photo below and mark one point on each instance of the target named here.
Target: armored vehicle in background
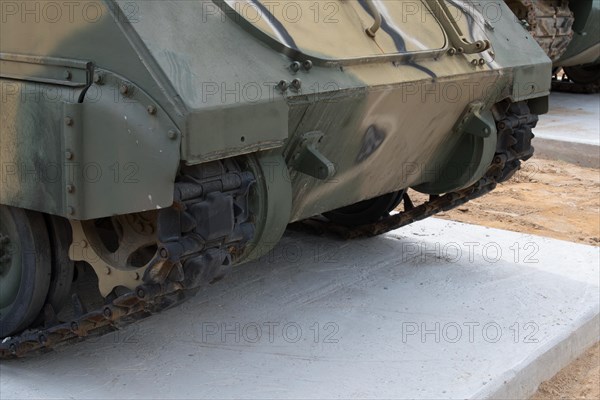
(581, 60)
(152, 145)
(569, 32)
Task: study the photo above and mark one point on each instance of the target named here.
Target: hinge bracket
(306, 158)
(456, 36)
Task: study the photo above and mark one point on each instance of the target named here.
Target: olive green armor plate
(100, 108)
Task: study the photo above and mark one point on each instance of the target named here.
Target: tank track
(550, 22)
(189, 256)
(192, 256)
(566, 85)
(514, 123)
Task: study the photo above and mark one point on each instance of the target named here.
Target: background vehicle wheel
(25, 268)
(584, 74)
(367, 211)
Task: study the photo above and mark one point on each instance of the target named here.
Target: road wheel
(25, 268)
(584, 74)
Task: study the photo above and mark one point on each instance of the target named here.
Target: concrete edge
(585, 155)
(522, 381)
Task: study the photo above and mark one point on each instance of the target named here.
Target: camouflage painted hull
(216, 86)
(195, 131)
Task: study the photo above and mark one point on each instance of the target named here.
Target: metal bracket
(457, 38)
(377, 19)
(52, 70)
(308, 160)
(476, 122)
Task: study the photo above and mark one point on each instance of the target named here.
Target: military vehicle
(569, 32)
(581, 61)
(152, 145)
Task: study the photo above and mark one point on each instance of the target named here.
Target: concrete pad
(584, 155)
(435, 310)
(571, 130)
(572, 118)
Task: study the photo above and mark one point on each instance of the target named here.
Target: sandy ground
(580, 380)
(546, 198)
(558, 200)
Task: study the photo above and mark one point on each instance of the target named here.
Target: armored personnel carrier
(153, 145)
(581, 60)
(569, 32)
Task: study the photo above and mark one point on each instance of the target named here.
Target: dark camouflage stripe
(289, 40)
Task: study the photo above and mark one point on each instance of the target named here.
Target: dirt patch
(580, 380)
(546, 198)
(558, 200)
